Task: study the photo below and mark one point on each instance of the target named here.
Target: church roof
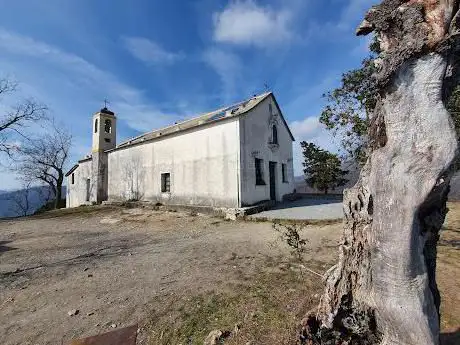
(234, 110)
(71, 170)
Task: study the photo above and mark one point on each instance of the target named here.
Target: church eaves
(231, 111)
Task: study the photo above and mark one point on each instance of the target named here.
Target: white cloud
(246, 23)
(306, 128)
(73, 88)
(139, 114)
(227, 66)
(143, 117)
(149, 51)
(310, 130)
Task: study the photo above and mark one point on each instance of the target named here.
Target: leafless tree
(43, 159)
(21, 200)
(15, 120)
(383, 289)
(45, 195)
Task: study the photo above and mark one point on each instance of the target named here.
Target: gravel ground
(111, 264)
(304, 209)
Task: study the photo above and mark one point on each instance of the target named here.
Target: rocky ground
(178, 275)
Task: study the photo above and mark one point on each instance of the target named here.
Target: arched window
(274, 135)
(108, 126)
(95, 126)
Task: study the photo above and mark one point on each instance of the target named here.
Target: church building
(233, 157)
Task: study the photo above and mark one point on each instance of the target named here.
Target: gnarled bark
(383, 289)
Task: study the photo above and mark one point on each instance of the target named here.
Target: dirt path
(113, 265)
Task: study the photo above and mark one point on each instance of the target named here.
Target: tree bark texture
(383, 289)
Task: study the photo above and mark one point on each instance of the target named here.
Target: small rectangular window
(274, 135)
(107, 140)
(166, 183)
(259, 172)
(88, 189)
(284, 172)
(73, 178)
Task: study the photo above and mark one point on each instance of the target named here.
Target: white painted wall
(255, 134)
(76, 193)
(100, 135)
(212, 165)
(203, 163)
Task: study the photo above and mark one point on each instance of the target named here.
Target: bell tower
(104, 130)
(104, 138)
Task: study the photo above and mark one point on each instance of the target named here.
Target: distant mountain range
(302, 187)
(14, 203)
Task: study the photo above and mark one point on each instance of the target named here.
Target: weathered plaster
(255, 136)
(76, 192)
(202, 162)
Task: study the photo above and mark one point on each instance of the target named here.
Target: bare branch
(21, 199)
(7, 86)
(22, 115)
(44, 159)
(14, 122)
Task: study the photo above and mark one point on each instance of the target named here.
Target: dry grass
(63, 212)
(448, 276)
(267, 307)
(192, 274)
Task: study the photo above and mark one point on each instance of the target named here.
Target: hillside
(10, 200)
(178, 275)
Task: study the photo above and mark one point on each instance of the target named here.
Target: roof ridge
(220, 111)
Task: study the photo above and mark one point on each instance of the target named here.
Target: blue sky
(162, 61)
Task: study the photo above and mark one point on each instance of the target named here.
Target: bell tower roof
(106, 111)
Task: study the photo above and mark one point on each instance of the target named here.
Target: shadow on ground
(4, 248)
(452, 338)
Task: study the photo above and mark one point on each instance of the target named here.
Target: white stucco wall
(203, 163)
(255, 135)
(76, 193)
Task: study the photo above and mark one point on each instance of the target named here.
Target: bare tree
(383, 289)
(45, 195)
(14, 121)
(44, 159)
(21, 200)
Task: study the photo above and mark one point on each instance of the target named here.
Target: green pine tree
(322, 168)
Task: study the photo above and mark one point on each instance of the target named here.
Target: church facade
(232, 157)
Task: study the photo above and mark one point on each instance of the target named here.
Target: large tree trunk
(383, 290)
(57, 201)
